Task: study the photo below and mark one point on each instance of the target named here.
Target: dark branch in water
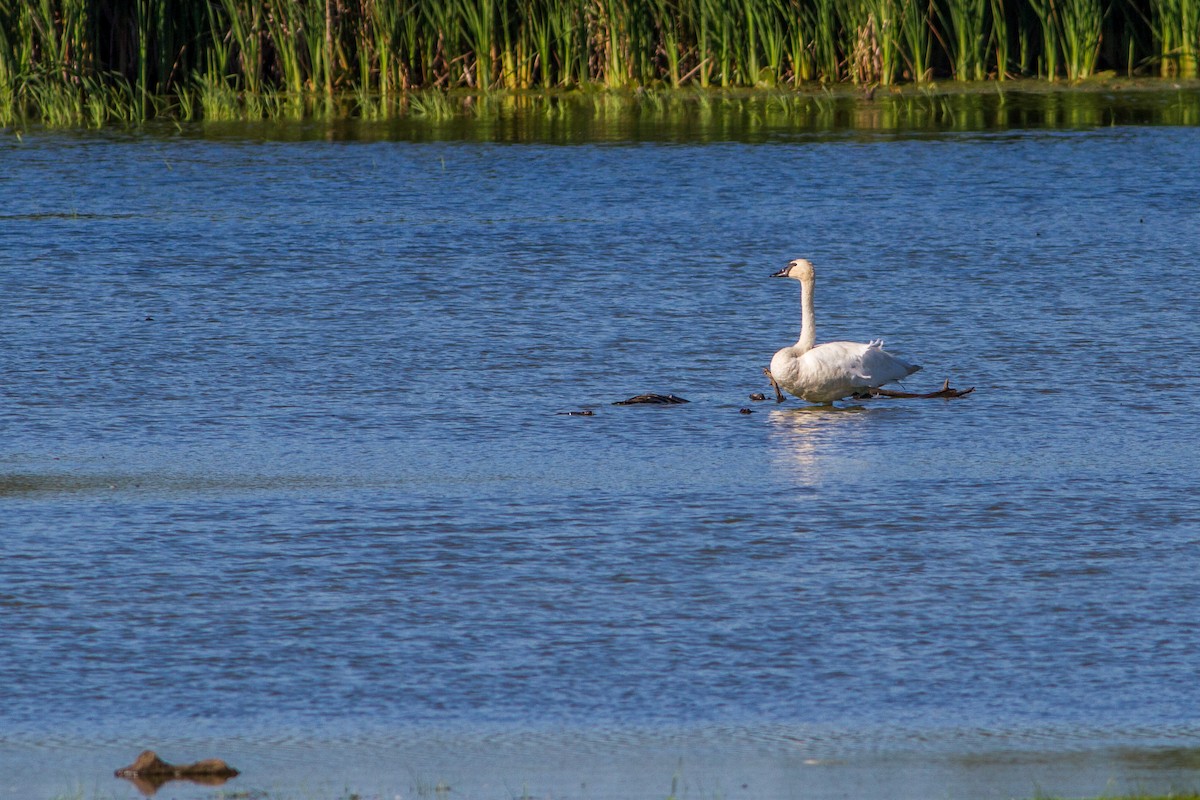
(945, 392)
(651, 399)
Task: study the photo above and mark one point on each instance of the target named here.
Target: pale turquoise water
(282, 468)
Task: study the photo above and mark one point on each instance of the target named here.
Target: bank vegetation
(92, 61)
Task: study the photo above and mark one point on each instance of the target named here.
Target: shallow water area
(285, 477)
(718, 761)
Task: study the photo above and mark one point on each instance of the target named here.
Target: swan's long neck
(808, 324)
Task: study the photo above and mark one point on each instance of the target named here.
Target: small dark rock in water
(651, 399)
(148, 772)
(584, 413)
(758, 396)
(148, 763)
(745, 411)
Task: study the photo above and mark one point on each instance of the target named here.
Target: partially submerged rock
(651, 399)
(148, 763)
(148, 772)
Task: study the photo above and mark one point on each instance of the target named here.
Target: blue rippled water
(282, 460)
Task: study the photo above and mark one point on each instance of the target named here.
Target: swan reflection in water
(820, 439)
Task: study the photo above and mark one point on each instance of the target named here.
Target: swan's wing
(879, 366)
(839, 366)
(856, 365)
(838, 369)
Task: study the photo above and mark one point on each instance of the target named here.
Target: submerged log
(148, 772)
(651, 399)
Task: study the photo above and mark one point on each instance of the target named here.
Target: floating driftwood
(148, 772)
(651, 399)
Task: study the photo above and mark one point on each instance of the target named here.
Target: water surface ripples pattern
(282, 450)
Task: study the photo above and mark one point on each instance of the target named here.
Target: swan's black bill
(783, 273)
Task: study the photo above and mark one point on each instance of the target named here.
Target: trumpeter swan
(831, 371)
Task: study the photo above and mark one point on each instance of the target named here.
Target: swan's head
(799, 268)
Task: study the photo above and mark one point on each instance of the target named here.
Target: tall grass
(91, 61)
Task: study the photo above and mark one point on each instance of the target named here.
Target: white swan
(833, 370)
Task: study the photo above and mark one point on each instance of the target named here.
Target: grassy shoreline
(590, 112)
(72, 62)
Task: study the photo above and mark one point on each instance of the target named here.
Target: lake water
(285, 476)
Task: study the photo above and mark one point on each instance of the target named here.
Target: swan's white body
(831, 371)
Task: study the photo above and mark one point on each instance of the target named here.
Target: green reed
(1176, 29)
(1000, 38)
(966, 34)
(93, 61)
(917, 41)
(1071, 32)
(1048, 24)
(1081, 23)
(826, 42)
